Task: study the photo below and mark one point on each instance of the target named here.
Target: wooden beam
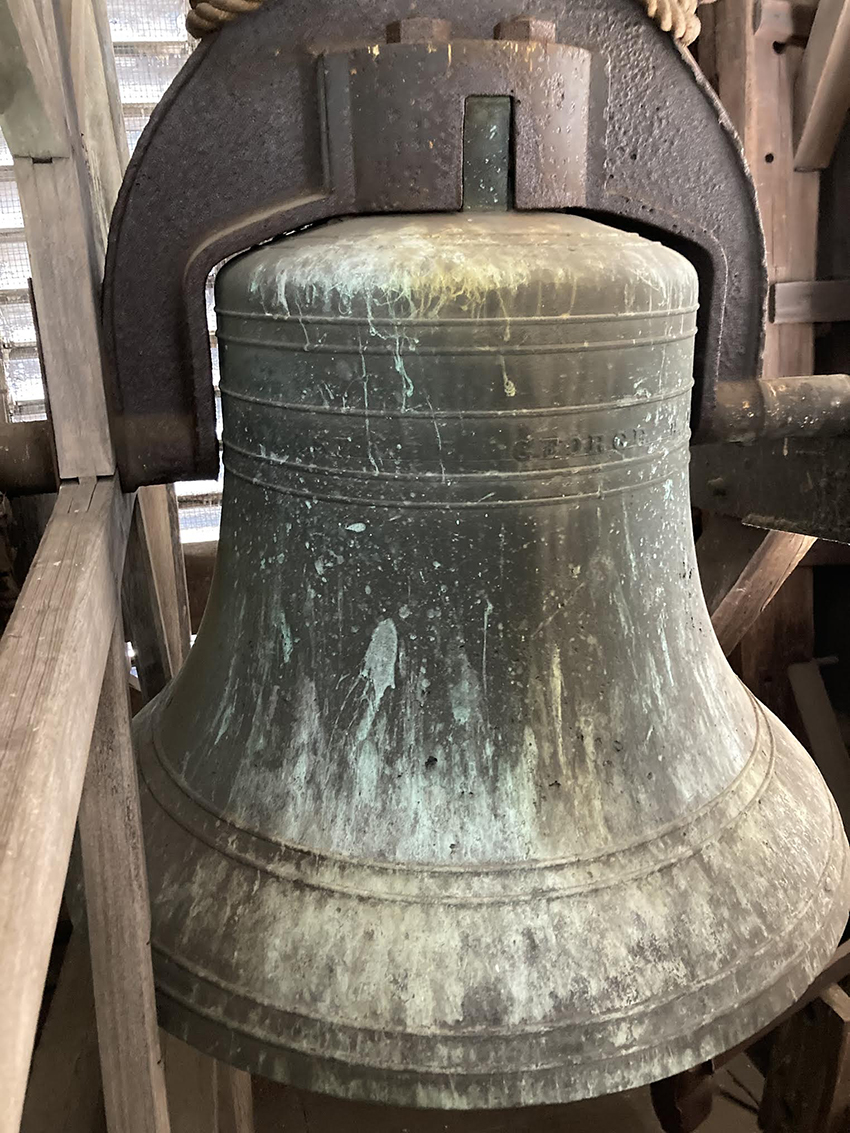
(159, 516)
(235, 1100)
(811, 300)
(31, 114)
(144, 613)
(64, 1092)
(824, 735)
(52, 659)
(775, 559)
(199, 559)
(192, 1084)
(118, 909)
(822, 93)
(54, 203)
(59, 220)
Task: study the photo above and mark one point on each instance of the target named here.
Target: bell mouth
(254, 989)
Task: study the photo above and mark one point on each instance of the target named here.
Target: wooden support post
(156, 598)
(32, 116)
(118, 910)
(165, 569)
(807, 1089)
(822, 93)
(64, 1094)
(52, 659)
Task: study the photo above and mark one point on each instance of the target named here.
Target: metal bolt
(527, 28)
(419, 29)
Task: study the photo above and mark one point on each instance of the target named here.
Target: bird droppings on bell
(456, 802)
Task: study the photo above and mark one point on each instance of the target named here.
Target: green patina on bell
(456, 802)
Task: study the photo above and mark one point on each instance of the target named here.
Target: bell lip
(196, 1013)
(523, 1088)
(415, 1089)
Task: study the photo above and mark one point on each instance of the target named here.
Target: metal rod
(816, 405)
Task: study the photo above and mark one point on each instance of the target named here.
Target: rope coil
(678, 17)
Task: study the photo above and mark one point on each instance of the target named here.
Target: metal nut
(419, 29)
(527, 28)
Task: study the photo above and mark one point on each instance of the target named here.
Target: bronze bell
(456, 802)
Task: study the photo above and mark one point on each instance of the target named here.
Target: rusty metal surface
(456, 802)
(814, 405)
(797, 484)
(267, 129)
(794, 484)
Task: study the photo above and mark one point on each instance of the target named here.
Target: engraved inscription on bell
(456, 802)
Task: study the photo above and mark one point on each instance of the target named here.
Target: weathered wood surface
(52, 659)
(31, 113)
(759, 582)
(807, 1087)
(64, 1093)
(53, 200)
(118, 908)
(235, 1100)
(199, 559)
(166, 569)
(822, 94)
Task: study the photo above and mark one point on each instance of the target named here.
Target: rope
(679, 17)
(675, 16)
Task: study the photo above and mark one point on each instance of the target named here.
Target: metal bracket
(263, 132)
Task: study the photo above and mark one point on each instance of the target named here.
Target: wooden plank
(65, 282)
(97, 106)
(734, 61)
(822, 93)
(199, 559)
(156, 598)
(824, 735)
(192, 1084)
(65, 612)
(204, 1095)
(759, 582)
(810, 301)
(158, 511)
(31, 114)
(144, 615)
(64, 1093)
(235, 1100)
(118, 908)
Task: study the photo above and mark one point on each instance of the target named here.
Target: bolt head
(419, 29)
(527, 28)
